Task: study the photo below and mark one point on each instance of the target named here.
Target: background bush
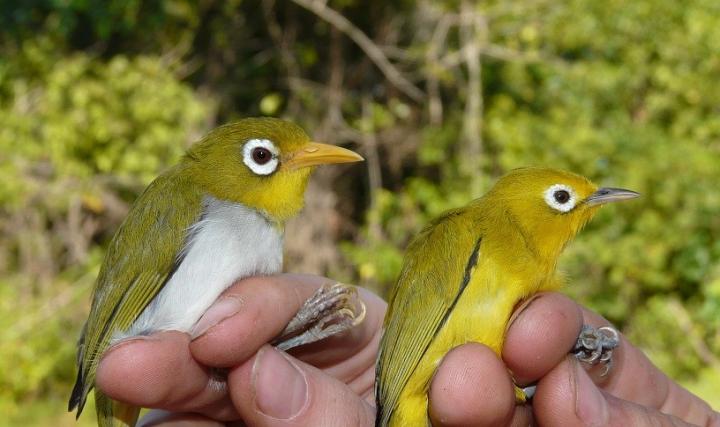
(442, 97)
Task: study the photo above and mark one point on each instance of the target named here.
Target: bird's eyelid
(260, 168)
(566, 206)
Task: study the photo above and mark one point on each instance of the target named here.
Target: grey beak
(608, 195)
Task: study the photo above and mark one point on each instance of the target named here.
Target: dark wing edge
(403, 345)
(143, 285)
(84, 382)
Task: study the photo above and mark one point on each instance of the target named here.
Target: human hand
(569, 393)
(330, 382)
(325, 383)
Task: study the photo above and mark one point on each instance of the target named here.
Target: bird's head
(263, 163)
(551, 206)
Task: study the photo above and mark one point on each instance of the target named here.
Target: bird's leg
(330, 310)
(523, 394)
(595, 346)
(218, 379)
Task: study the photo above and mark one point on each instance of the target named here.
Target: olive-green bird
(466, 271)
(214, 218)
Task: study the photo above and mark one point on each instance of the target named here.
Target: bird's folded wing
(436, 270)
(141, 258)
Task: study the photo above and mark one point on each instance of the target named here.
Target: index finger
(546, 330)
(257, 309)
(633, 377)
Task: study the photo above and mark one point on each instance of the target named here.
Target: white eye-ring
(560, 197)
(261, 156)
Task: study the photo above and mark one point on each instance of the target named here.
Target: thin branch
(685, 323)
(453, 59)
(435, 106)
(283, 39)
(396, 52)
(67, 297)
(473, 33)
(335, 83)
(368, 46)
(373, 165)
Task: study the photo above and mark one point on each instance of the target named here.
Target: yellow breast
(481, 315)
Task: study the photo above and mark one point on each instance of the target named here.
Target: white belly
(230, 242)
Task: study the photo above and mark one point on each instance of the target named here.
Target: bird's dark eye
(261, 155)
(561, 196)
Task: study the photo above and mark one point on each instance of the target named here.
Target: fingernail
(524, 306)
(590, 404)
(124, 342)
(280, 387)
(222, 309)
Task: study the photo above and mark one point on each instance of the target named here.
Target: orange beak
(315, 153)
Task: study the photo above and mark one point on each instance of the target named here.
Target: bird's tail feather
(77, 397)
(111, 413)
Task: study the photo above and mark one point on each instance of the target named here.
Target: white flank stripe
(229, 243)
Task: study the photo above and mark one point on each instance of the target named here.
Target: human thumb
(274, 389)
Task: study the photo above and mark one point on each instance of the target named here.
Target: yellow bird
(466, 271)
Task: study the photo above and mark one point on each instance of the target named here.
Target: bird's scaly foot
(595, 346)
(332, 309)
(524, 394)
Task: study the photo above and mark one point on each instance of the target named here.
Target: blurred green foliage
(79, 137)
(96, 98)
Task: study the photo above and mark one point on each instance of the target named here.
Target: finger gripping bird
(212, 219)
(466, 271)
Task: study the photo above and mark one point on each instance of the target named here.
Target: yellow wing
(421, 301)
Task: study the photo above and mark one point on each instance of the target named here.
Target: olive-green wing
(437, 267)
(141, 258)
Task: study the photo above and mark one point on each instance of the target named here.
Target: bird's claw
(330, 310)
(595, 346)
